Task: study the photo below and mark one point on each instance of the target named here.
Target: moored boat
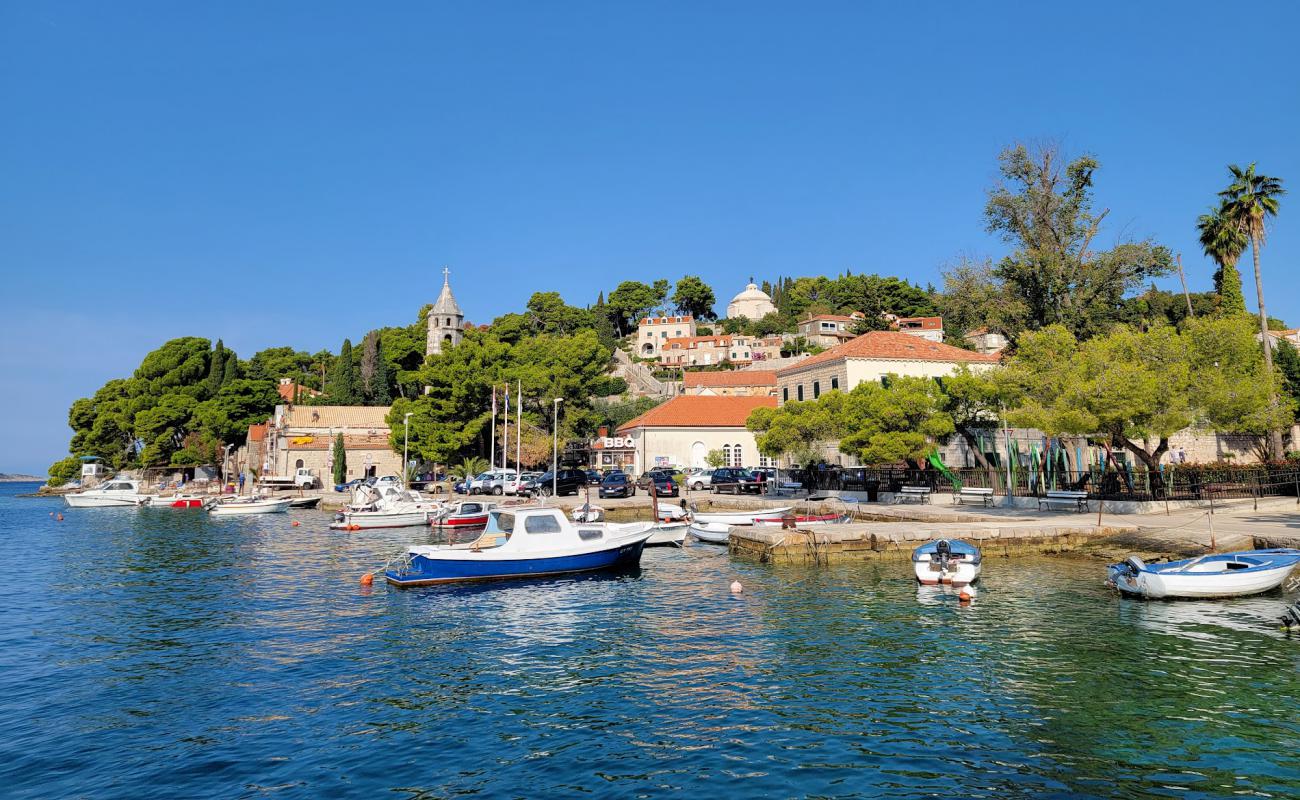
(802, 520)
(465, 514)
(1214, 575)
(388, 506)
(741, 517)
(711, 532)
(185, 501)
(304, 502)
(247, 506)
(524, 542)
(115, 493)
(588, 513)
(947, 561)
(668, 533)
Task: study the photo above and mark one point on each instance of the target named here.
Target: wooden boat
(115, 493)
(668, 533)
(524, 542)
(740, 517)
(711, 532)
(465, 514)
(947, 561)
(247, 506)
(1214, 575)
(803, 520)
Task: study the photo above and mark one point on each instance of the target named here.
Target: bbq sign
(616, 442)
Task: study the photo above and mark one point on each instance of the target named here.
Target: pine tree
(340, 459)
(344, 385)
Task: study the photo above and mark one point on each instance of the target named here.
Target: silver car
(700, 480)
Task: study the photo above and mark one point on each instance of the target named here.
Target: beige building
(653, 333)
(730, 383)
(928, 328)
(986, 341)
(752, 303)
(303, 436)
(703, 351)
(828, 330)
(870, 357)
(682, 431)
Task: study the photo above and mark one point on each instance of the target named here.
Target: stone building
(705, 351)
(752, 303)
(446, 322)
(928, 328)
(682, 431)
(828, 330)
(870, 357)
(730, 383)
(303, 436)
(654, 332)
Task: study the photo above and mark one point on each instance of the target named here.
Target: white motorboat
(588, 513)
(741, 517)
(668, 533)
(388, 506)
(1214, 575)
(115, 493)
(711, 532)
(247, 506)
(525, 542)
(947, 561)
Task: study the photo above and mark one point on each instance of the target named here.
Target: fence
(1189, 482)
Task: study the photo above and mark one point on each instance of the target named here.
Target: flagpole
(505, 442)
(519, 427)
(492, 442)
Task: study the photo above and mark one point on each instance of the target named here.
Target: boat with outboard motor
(387, 506)
(950, 561)
(741, 517)
(711, 532)
(523, 542)
(465, 514)
(114, 493)
(1236, 574)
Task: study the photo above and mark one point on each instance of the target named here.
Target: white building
(752, 303)
(682, 431)
(928, 328)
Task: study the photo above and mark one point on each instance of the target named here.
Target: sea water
(161, 653)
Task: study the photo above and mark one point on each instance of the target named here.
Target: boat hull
(803, 520)
(960, 567)
(82, 501)
(366, 521)
(248, 509)
(711, 532)
(425, 571)
(928, 573)
(462, 521)
(741, 517)
(668, 533)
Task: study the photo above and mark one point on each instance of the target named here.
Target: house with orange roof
(829, 330)
(929, 328)
(870, 357)
(730, 383)
(682, 431)
(705, 351)
(652, 333)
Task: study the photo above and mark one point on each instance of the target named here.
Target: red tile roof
(257, 433)
(735, 377)
(922, 323)
(287, 391)
(829, 318)
(700, 411)
(894, 346)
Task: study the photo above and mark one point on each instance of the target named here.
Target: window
(817, 389)
(798, 391)
(546, 524)
(785, 394)
(735, 457)
(726, 454)
(835, 382)
(764, 461)
(298, 464)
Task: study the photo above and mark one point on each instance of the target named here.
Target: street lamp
(555, 445)
(406, 437)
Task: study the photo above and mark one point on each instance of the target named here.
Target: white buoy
(736, 588)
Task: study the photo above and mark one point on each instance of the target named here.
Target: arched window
(298, 464)
(736, 460)
(726, 455)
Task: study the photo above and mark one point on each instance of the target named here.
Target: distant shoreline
(6, 478)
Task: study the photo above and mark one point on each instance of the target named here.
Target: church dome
(753, 303)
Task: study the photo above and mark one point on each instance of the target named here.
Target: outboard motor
(1291, 617)
(942, 553)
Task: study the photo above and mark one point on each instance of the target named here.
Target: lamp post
(225, 463)
(555, 445)
(406, 438)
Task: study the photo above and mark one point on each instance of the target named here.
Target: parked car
(485, 482)
(517, 486)
(594, 477)
(566, 481)
(617, 484)
(735, 477)
(663, 481)
(701, 480)
(498, 482)
(349, 486)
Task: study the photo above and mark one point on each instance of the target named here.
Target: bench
(974, 494)
(907, 494)
(1063, 497)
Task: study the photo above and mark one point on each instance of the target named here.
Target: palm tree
(471, 466)
(1247, 201)
(1224, 242)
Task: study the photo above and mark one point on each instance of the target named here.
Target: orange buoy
(354, 527)
(295, 523)
(964, 595)
(368, 579)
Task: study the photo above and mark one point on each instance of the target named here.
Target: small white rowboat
(240, 507)
(741, 517)
(711, 532)
(1215, 575)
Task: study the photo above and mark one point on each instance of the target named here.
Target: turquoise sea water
(159, 653)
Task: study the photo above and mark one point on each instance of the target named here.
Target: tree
(1223, 240)
(64, 470)
(340, 460)
(798, 431)
(631, 301)
(1247, 202)
(715, 458)
(898, 422)
(974, 400)
(974, 297)
(344, 385)
(1288, 364)
(275, 363)
(471, 466)
(1043, 208)
(694, 297)
(374, 371)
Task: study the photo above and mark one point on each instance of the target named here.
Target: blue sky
(294, 173)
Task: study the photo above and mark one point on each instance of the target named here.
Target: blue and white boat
(525, 542)
(950, 561)
(1214, 575)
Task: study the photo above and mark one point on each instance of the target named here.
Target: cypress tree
(1231, 300)
(378, 392)
(344, 385)
(340, 461)
(231, 370)
(216, 368)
